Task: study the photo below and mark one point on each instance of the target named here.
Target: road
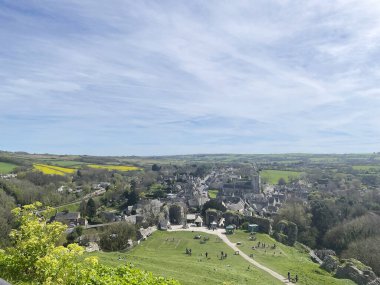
(221, 234)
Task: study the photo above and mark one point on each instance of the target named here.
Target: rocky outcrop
(322, 253)
(375, 282)
(363, 276)
(330, 263)
(92, 246)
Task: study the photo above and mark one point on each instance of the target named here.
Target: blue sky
(180, 77)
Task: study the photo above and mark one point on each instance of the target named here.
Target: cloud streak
(169, 77)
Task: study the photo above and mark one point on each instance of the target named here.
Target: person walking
(288, 276)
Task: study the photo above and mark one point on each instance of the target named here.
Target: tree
(83, 208)
(340, 236)
(115, 237)
(33, 240)
(6, 219)
(158, 193)
(133, 198)
(202, 170)
(292, 233)
(281, 181)
(324, 216)
(367, 251)
(175, 214)
(213, 204)
(91, 208)
(296, 212)
(34, 258)
(155, 167)
(74, 235)
(286, 232)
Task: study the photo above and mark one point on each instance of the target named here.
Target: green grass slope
(286, 259)
(164, 254)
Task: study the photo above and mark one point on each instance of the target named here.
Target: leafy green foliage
(340, 236)
(286, 232)
(116, 236)
(213, 204)
(7, 203)
(156, 167)
(298, 213)
(175, 214)
(367, 251)
(34, 239)
(34, 258)
(91, 208)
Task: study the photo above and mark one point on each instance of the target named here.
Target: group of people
(223, 255)
(188, 251)
(263, 245)
(293, 280)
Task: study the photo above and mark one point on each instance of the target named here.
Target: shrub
(34, 258)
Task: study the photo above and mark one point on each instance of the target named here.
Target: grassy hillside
(164, 253)
(286, 259)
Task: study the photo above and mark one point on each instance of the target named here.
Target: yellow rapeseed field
(53, 170)
(114, 167)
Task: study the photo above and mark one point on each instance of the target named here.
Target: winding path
(221, 234)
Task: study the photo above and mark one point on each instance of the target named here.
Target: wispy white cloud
(157, 77)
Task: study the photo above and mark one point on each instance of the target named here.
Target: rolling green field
(366, 167)
(286, 259)
(164, 254)
(272, 176)
(6, 167)
(65, 163)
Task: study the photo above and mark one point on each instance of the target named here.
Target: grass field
(324, 159)
(164, 254)
(73, 207)
(286, 259)
(366, 167)
(6, 167)
(114, 167)
(272, 176)
(65, 163)
(213, 193)
(53, 170)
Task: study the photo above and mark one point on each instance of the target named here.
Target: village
(225, 197)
